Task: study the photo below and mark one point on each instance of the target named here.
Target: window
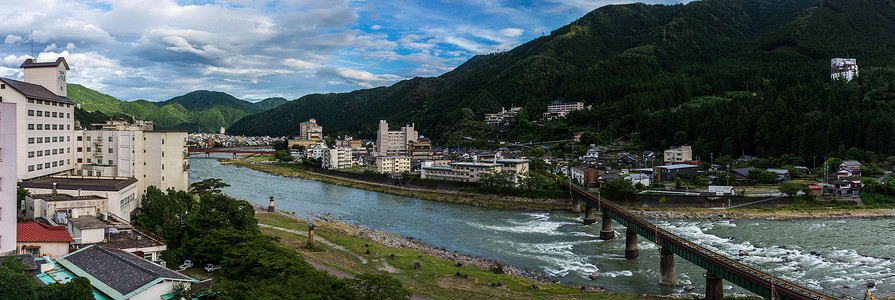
(55, 152)
(2, 86)
(31, 126)
(30, 100)
(54, 127)
(80, 138)
(40, 166)
(47, 165)
(31, 112)
(88, 139)
(47, 126)
(54, 114)
(31, 168)
(30, 154)
(46, 152)
(47, 114)
(88, 149)
(40, 113)
(54, 164)
(68, 127)
(89, 173)
(40, 127)
(31, 140)
(110, 162)
(68, 138)
(79, 149)
(80, 160)
(40, 140)
(88, 161)
(110, 150)
(55, 140)
(98, 173)
(110, 138)
(68, 115)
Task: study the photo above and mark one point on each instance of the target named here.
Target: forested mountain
(726, 76)
(198, 111)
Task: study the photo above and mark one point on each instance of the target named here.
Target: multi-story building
(61, 207)
(7, 178)
(122, 195)
(678, 155)
(44, 118)
(504, 117)
(337, 158)
(473, 171)
(350, 142)
(392, 164)
(846, 68)
(119, 149)
(421, 149)
(392, 143)
(561, 109)
(309, 130)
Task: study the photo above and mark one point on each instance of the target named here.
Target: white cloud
(361, 78)
(12, 39)
(512, 32)
(376, 27)
(50, 47)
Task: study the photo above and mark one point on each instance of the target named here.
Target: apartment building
(310, 130)
(561, 109)
(44, 118)
(7, 178)
(337, 158)
(678, 155)
(472, 171)
(504, 117)
(392, 143)
(121, 149)
(392, 164)
(421, 149)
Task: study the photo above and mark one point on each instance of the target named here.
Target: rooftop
(64, 197)
(35, 91)
(80, 182)
(677, 167)
(475, 164)
(39, 232)
(512, 161)
(118, 274)
(32, 63)
(88, 223)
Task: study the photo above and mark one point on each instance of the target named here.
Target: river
(838, 256)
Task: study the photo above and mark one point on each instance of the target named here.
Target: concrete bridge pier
(714, 287)
(589, 215)
(666, 267)
(234, 155)
(207, 155)
(576, 205)
(607, 233)
(632, 251)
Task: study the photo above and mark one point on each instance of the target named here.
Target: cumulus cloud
(512, 32)
(12, 39)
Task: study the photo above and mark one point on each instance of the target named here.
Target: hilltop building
(845, 68)
(44, 118)
(391, 143)
(678, 155)
(504, 117)
(309, 130)
(7, 178)
(561, 109)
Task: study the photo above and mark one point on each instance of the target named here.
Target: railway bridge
(718, 267)
(235, 152)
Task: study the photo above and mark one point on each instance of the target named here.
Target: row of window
(48, 127)
(48, 114)
(99, 150)
(99, 161)
(81, 138)
(31, 100)
(31, 168)
(47, 152)
(47, 139)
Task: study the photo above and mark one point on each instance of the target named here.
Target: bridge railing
(755, 274)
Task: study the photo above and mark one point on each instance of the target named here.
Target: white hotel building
(44, 118)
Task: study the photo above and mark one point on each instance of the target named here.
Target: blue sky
(252, 49)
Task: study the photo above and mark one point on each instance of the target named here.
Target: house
(113, 232)
(39, 239)
(120, 275)
(848, 186)
(583, 175)
(782, 174)
(122, 194)
(852, 165)
(845, 68)
(87, 230)
(636, 178)
(665, 173)
(60, 207)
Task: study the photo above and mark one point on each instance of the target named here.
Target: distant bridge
(234, 151)
(718, 266)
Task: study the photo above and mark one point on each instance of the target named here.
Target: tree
(378, 287)
(21, 193)
(618, 189)
(16, 285)
(283, 155)
(210, 185)
(789, 188)
(763, 176)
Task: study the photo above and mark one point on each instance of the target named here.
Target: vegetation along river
(822, 254)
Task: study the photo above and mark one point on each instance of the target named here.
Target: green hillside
(198, 111)
(726, 76)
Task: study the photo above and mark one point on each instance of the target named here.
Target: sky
(254, 49)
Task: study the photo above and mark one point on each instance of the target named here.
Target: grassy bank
(298, 171)
(436, 278)
(777, 213)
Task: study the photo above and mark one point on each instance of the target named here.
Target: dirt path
(317, 239)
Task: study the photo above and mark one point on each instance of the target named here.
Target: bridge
(718, 267)
(235, 152)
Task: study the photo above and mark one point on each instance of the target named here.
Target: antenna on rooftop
(32, 44)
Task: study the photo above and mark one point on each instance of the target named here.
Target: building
(392, 164)
(392, 143)
(121, 193)
(337, 158)
(678, 155)
(121, 275)
(7, 178)
(583, 174)
(462, 171)
(111, 231)
(514, 166)
(44, 118)
(561, 109)
(39, 239)
(504, 117)
(350, 142)
(61, 207)
(845, 68)
(636, 178)
(304, 143)
(664, 173)
(421, 149)
(316, 151)
(852, 166)
(309, 130)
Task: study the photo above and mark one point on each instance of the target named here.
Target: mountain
(726, 76)
(197, 111)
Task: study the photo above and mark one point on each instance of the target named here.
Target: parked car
(186, 264)
(211, 268)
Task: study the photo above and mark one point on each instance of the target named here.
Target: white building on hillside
(44, 118)
(391, 143)
(846, 68)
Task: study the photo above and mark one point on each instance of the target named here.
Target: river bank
(479, 200)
